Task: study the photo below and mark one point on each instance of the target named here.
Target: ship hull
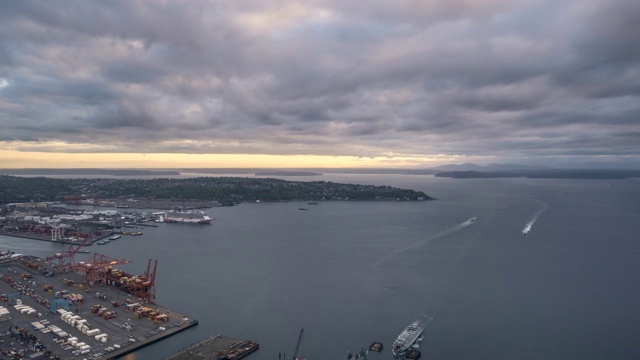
(408, 337)
(187, 217)
(188, 221)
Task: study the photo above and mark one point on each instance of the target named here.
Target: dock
(69, 320)
(217, 347)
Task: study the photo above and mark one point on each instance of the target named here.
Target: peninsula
(222, 189)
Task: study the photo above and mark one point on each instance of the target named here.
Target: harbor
(252, 275)
(55, 314)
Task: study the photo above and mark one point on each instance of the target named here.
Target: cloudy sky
(319, 83)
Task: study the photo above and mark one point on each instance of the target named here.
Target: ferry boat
(187, 216)
(408, 337)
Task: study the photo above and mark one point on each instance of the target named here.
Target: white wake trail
(420, 243)
(529, 225)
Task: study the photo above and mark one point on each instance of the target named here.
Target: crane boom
(295, 353)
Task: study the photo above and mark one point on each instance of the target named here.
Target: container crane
(66, 258)
(143, 286)
(56, 230)
(95, 272)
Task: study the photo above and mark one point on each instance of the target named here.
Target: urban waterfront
(351, 273)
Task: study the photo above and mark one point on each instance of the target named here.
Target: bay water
(354, 272)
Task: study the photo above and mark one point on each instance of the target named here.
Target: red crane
(66, 258)
(95, 272)
(143, 286)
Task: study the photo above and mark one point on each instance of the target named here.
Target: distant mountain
(287, 173)
(544, 174)
(477, 174)
(488, 168)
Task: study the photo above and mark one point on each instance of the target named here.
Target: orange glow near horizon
(11, 159)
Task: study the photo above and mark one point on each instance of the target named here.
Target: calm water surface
(351, 273)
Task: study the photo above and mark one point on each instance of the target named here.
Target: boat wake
(529, 225)
(420, 243)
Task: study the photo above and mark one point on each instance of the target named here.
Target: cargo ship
(408, 337)
(187, 216)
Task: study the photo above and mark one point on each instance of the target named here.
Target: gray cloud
(495, 78)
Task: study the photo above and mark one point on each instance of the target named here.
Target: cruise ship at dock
(186, 216)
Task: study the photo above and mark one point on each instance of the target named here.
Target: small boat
(313, 203)
(376, 346)
(115, 237)
(474, 219)
(303, 209)
(102, 242)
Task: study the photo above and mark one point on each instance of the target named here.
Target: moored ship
(408, 337)
(187, 216)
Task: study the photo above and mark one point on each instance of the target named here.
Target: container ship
(408, 337)
(190, 217)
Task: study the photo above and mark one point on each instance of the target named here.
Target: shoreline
(26, 236)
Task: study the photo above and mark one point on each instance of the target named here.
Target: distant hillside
(222, 189)
(544, 174)
(287, 173)
(319, 171)
(488, 168)
(477, 174)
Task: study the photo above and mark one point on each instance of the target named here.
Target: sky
(319, 83)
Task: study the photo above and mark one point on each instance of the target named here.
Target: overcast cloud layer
(524, 81)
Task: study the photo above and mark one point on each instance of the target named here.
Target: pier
(217, 347)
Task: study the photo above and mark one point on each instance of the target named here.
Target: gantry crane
(143, 286)
(56, 230)
(95, 272)
(66, 258)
